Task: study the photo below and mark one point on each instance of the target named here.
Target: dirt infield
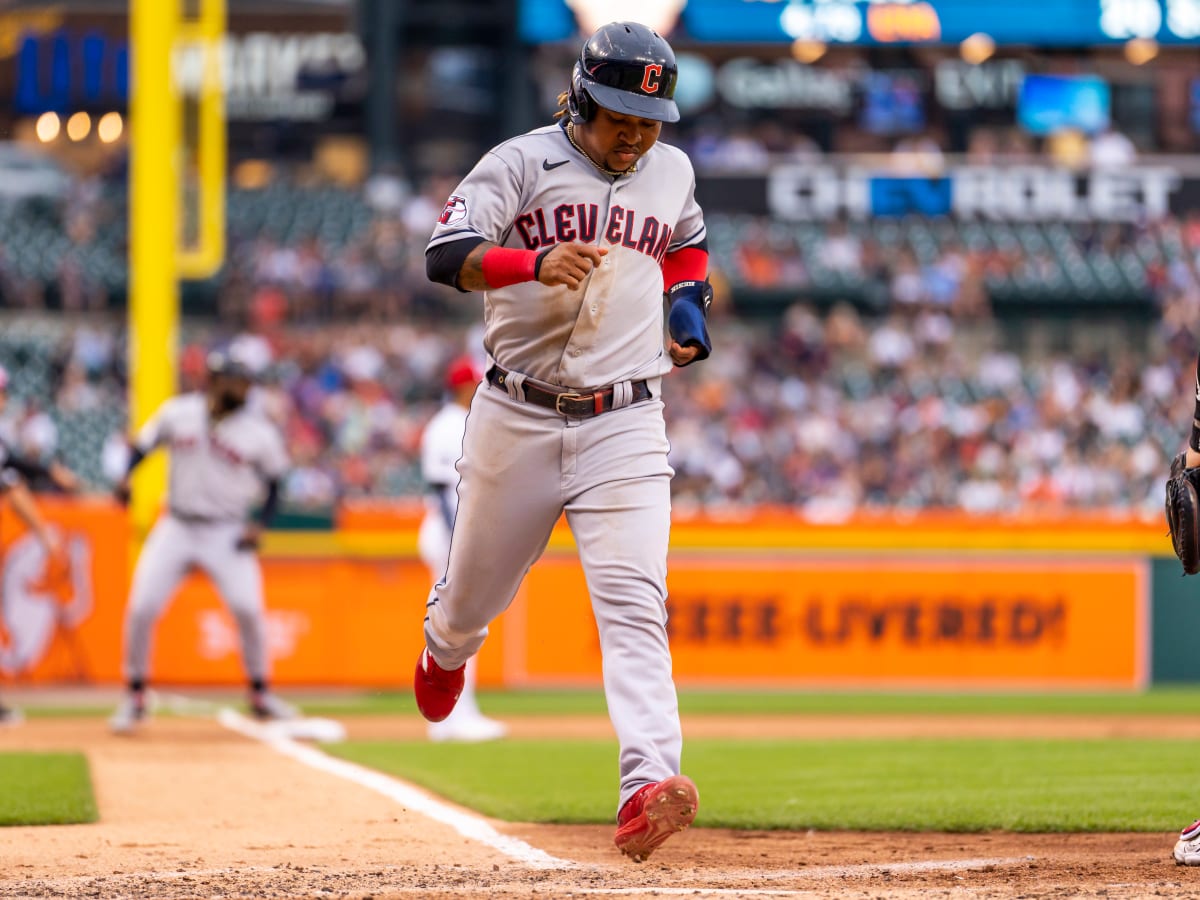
(190, 809)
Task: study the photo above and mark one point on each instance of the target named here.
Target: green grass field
(45, 789)
(908, 785)
(1159, 701)
(872, 784)
(944, 785)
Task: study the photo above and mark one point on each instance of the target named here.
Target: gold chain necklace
(612, 173)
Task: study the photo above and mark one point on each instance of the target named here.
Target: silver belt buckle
(569, 395)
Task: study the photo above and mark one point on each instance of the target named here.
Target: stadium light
(977, 48)
(48, 126)
(1140, 51)
(807, 52)
(110, 126)
(79, 126)
(659, 15)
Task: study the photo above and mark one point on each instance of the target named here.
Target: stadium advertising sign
(946, 620)
(783, 84)
(265, 73)
(268, 75)
(750, 83)
(1000, 193)
(880, 22)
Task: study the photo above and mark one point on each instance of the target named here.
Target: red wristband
(685, 264)
(503, 266)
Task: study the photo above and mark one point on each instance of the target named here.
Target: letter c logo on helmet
(650, 79)
(627, 68)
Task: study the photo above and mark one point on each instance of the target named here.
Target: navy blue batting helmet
(627, 68)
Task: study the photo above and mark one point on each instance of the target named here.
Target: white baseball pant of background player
(441, 446)
(523, 464)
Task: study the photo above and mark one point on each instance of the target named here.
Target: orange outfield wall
(861, 620)
(946, 602)
(330, 620)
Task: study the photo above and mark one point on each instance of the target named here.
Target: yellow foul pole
(155, 135)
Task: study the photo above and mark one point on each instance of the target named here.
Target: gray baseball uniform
(441, 446)
(523, 464)
(216, 476)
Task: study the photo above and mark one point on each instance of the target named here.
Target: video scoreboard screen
(1061, 23)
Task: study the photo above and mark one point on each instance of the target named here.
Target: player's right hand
(569, 264)
(121, 492)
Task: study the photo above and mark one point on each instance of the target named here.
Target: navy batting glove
(687, 317)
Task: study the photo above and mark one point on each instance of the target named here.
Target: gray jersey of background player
(574, 232)
(222, 453)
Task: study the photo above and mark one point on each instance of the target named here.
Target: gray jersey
(537, 190)
(217, 469)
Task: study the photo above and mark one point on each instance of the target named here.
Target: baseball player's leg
(621, 520)
(10, 715)
(622, 531)
(237, 576)
(509, 497)
(160, 566)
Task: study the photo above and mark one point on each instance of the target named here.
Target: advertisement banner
(61, 623)
(948, 623)
(330, 620)
(1032, 193)
(880, 618)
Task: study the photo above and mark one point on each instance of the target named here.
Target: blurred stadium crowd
(887, 381)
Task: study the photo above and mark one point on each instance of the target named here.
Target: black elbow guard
(444, 261)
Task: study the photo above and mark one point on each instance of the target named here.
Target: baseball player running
(441, 446)
(573, 231)
(15, 473)
(221, 453)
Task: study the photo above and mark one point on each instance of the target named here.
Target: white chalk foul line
(469, 826)
(478, 829)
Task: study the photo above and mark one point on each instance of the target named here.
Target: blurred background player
(441, 447)
(222, 454)
(15, 472)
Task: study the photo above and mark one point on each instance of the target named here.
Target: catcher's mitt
(1183, 514)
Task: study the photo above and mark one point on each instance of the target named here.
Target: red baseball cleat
(436, 689)
(655, 813)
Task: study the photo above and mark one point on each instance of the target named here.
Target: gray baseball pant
(171, 549)
(522, 466)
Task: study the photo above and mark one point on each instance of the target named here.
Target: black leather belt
(571, 404)
(193, 519)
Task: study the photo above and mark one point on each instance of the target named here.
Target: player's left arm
(685, 284)
(271, 468)
(253, 532)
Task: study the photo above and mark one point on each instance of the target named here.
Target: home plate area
(225, 807)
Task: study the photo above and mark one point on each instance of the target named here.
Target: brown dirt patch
(189, 809)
